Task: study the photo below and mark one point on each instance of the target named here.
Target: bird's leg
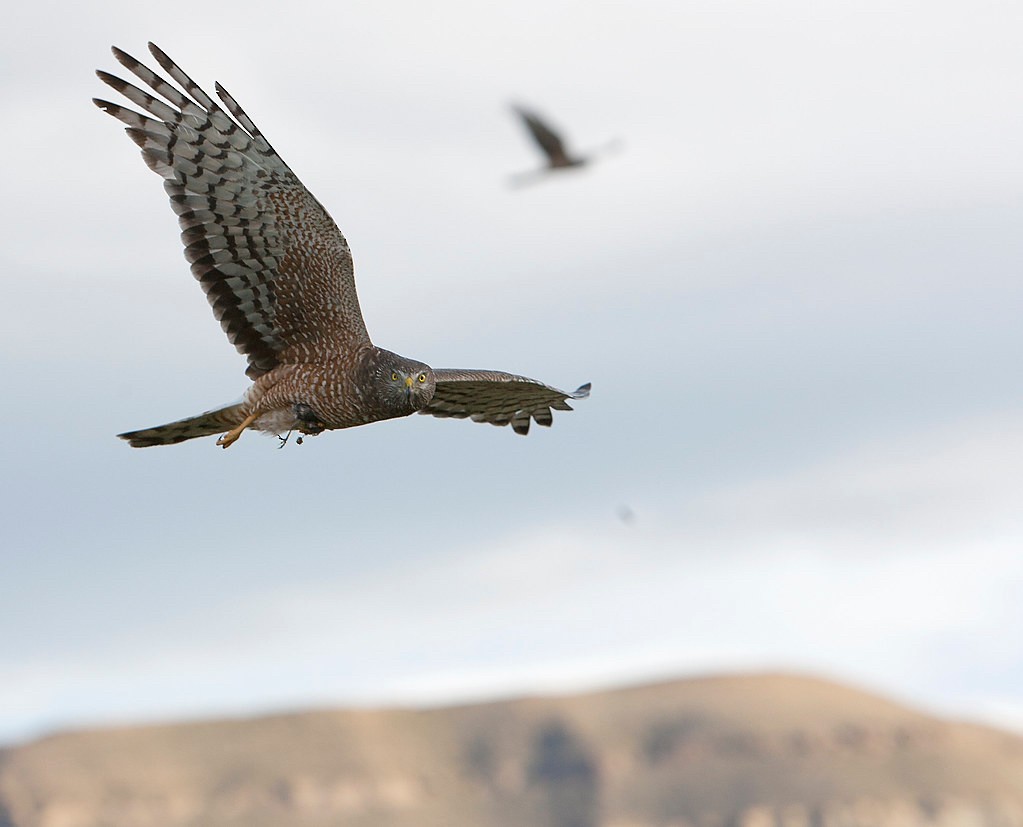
(231, 437)
(284, 439)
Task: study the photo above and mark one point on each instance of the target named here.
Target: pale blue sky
(796, 291)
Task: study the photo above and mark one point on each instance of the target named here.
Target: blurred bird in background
(553, 147)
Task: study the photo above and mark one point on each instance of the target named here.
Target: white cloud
(896, 566)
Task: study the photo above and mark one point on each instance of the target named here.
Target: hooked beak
(408, 387)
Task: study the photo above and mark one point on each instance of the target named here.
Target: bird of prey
(279, 276)
(551, 144)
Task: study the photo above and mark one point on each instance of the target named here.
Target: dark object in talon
(309, 423)
(304, 412)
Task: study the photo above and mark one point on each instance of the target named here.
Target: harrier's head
(402, 386)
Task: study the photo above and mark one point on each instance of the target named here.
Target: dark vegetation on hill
(735, 751)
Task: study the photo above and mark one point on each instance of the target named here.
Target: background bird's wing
(498, 398)
(547, 139)
(276, 269)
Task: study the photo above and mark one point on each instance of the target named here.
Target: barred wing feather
(275, 268)
(498, 398)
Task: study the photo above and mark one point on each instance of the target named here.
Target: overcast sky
(796, 289)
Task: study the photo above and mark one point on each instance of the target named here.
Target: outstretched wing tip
(125, 59)
(110, 80)
(499, 398)
(225, 183)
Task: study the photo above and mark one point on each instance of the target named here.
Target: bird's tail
(212, 422)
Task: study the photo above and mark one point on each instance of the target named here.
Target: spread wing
(498, 398)
(274, 266)
(546, 138)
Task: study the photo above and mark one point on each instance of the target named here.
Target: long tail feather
(212, 422)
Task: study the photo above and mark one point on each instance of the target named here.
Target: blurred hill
(737, 751)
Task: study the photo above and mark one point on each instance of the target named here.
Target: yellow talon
(231, 437)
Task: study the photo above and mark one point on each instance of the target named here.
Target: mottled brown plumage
(278, 274)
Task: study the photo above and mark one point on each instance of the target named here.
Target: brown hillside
(737, 751)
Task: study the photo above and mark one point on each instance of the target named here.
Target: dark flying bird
(279, 276)
(552, 145)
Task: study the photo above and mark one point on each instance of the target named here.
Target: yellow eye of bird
(422, 377)
(394, 377)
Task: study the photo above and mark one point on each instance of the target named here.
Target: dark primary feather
(275, 268)
(498, 398)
